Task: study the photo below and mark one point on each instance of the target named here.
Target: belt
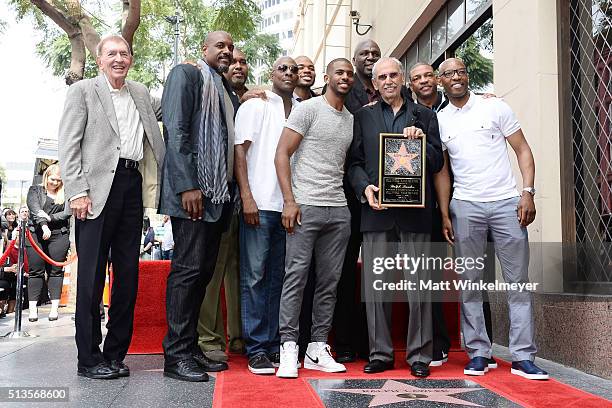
(127, 163)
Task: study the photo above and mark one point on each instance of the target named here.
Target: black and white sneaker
(260, 364)
(275, 360)
(491, 363)
(439, 358)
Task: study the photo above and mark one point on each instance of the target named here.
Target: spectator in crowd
(8, 277)
(8, 225)
(50, 226)
(149, 240)
(24, 213)
(167, 243)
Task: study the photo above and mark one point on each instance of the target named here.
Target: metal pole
(17, 333)
(177, 33)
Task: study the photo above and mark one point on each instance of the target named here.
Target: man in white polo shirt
(474, 132)
(259, 124)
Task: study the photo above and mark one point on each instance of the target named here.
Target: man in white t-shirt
(474, 132)
(167, 244)
(259, 124)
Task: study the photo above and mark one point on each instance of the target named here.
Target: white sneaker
(318, 357)
(439, 360)
(288, 358)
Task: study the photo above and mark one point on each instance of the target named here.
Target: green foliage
(262, 47)
(240, 18)
(479, 67)
(3, 178)
(154, 39)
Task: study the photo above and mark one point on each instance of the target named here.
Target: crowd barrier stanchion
(17, 332)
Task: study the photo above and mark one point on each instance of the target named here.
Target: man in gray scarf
(198, 109)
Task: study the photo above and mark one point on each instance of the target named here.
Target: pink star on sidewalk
(393, 392)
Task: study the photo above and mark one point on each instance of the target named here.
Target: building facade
(551, 61)
(278, 19)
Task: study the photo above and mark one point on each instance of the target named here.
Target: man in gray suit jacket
(111, 151)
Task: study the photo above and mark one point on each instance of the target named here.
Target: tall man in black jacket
(410, 227)
(198, 108)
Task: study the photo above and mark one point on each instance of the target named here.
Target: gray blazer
(89, 143)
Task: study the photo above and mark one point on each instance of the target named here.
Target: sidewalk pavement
(49, 360)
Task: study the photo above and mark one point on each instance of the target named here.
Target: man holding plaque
(399, 139)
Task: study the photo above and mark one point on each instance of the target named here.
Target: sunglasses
(391, 75)
(284, 67)
(451, 73)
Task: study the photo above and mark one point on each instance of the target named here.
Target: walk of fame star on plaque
(401, 173)
(407, 393)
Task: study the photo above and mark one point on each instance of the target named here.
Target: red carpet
(237, 387)
(150, 312)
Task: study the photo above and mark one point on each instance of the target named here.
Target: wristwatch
(530, 190)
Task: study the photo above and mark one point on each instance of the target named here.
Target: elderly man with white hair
(110, 153)
(385, 230)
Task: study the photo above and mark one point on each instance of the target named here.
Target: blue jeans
(167, 255)
(262, 268)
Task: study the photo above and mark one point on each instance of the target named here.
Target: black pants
(56, 247)
(350, 326)
(118, 228)
(196, 246)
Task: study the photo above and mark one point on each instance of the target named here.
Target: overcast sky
(32, 98)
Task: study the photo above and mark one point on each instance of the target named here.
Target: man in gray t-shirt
(317, 166)
(318, 135)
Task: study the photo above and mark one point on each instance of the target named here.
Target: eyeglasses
(451, 73)
(284, 67)
(391, 75)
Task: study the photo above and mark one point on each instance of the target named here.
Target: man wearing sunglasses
(385, 230)
(318, 134)
(259, 124)
(474, 133)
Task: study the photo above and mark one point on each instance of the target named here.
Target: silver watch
(530, 190)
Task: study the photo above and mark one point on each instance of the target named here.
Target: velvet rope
(6, 253)
(44, 256)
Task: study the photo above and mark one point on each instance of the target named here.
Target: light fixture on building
(355, 16)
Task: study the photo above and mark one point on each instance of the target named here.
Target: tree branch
(73, 31)
(57, 16)
(131, 20)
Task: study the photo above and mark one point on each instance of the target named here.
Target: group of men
(304, 169)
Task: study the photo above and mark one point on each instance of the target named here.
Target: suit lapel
(107, 102)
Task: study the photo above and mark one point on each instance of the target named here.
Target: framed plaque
(401, 175)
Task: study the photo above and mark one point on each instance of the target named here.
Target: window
(449, 28)
(425, 45)
(456, 13)
(290, 34)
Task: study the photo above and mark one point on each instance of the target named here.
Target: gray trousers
(471, 221)
(324, 231)
(419, 339)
